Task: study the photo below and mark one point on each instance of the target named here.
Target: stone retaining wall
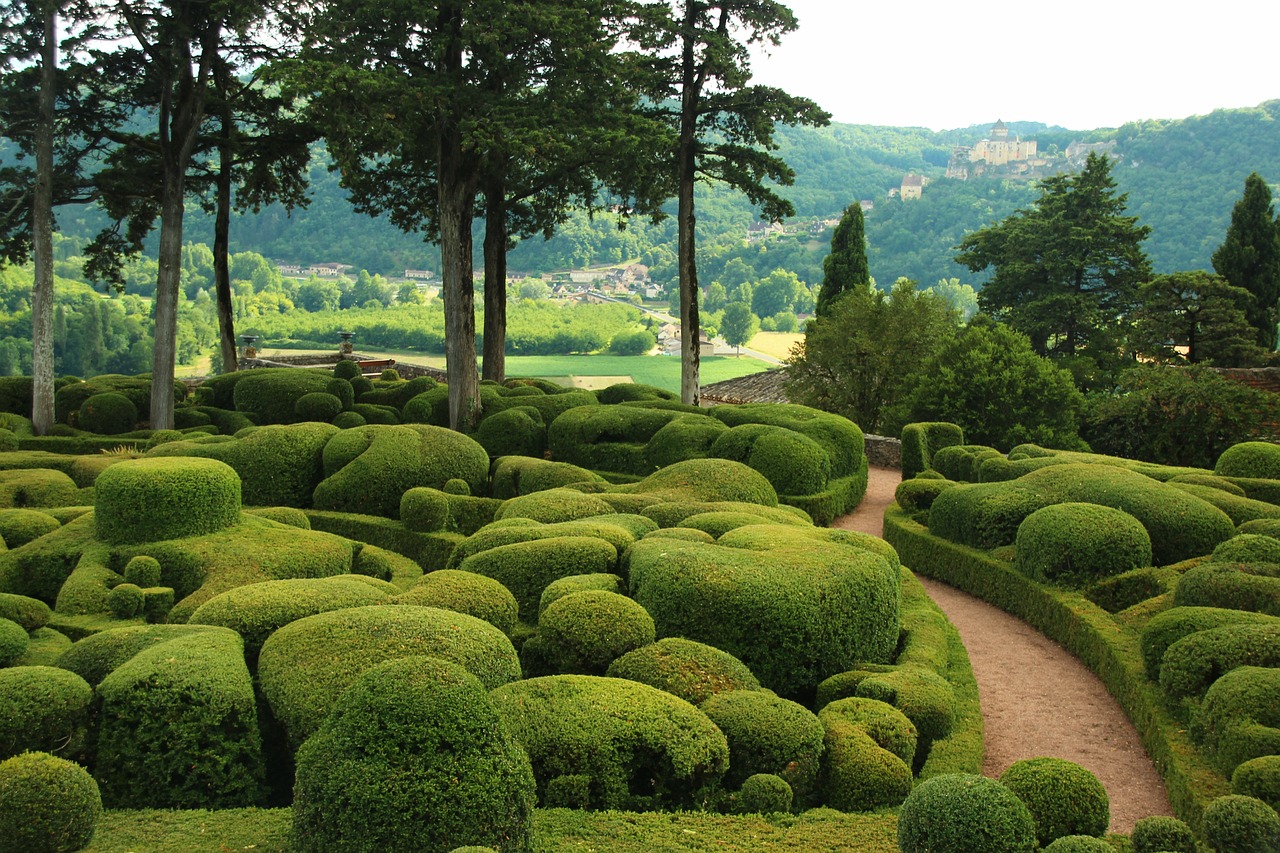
(884, 452)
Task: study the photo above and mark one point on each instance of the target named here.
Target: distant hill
(1182, 177)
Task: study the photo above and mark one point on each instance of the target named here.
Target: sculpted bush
(47, 804)
(686, 668)
(768, 734)
(1064, 798)
(963, 813)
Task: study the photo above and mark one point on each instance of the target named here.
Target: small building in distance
(912, 186)
(997, 151)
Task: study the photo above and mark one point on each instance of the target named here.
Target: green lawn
(659, 370)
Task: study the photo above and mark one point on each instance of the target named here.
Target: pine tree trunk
(42, 239)
(168, 284)
(495, 282)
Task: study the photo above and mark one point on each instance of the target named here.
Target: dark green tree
(1066, 271)
(990, 382)
(1196, 318)
(845, 268)
(699, 59)
(1249, 257)
(738, 325)
(856, 360)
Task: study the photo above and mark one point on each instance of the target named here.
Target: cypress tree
(845, 268)
(1249, 257)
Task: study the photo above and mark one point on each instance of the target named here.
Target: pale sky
(1082, 64)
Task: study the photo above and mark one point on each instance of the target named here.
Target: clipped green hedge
(794, 604)
(554, 505)
(962, 812)
(305, 665)
(413, 757)
(518, 431)
(1193, 663)
(1240, 824)
(1235, 586)
(769, 734)
(166, 712)
(46, 710)
(921, 440)
(1256, 459)
(623, 745)
(144, 500)
(1063, 797)
(1078, 543)
(561, 587)
(1248, 548)
(47, 804)
(520, 475)
(1260, 778)
(1239, 718)
(792, 462)
(257, 610)
(1162, 834)
(38, 487)
(30, 613)
(1166, 628)
(108, 413)
(465, 592)
(586, 631)
(271, 394)
(526, 566)
(686, 668)
(841, 437)
(607, 438)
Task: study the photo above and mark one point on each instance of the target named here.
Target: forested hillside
(1182, 177)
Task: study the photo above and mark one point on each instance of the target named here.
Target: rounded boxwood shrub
(1247, 548)
(681, 439)
(869, 749)
(272, 393)
(586, 631)
(1239, 718)
(526, 567)
(1064, 798)
(1259, 778)
(30, 613)
(143, 571)
(1194, 662)
(1234, 586)
(1078, 844)
(318, 406)
(964, 813)
(424, 509)
(561, 587)
(1166, 628)
(412, 757)
(1075, 543)
(305, 665)
(708, 480)
(257, 610)
(638, 747)
(13, 641)
(46, 710)
(793, 463)
(125, 601)
(146, 500)
(108, 414)
(920, 493)
(341, 388)
(518, 431)
(768, 734)
(346, 369)
(687, 534)
(765, 793)
(465, 592)
(686, 668)
(20, 526)
(1257, 459)
(348, 420)
(553, 505)
(47, 804)
(1239, 824)
(1162, 834)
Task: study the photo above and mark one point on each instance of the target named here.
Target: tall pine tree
(1249, 257)
(845, 268)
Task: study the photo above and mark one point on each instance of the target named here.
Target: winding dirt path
(1037, 700)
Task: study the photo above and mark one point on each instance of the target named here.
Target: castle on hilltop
(997, 151)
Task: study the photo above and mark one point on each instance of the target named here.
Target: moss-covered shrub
(869, 750)
(305, 665)
(1239, 824)
(964, 813)
(586, 631)
(1161, 834)
(108, 414)
(46, 710)
(20, 526)
(518, 431)
(640, 748)
(1076, 543)
(1194, 662)
(921, 440)
(1063, 797)
(413, 757)
(1235, 586)
(13, 641)
(1239, 718)
(526, 567)
(1259, 778)
(465, 592)
(318, 406)
(686, 668)
(257, 610)
(47, 804)
(165, 711)
(1258, 459)
(29, 613)
(145, 500)
(272, 394)
(768, 734)
(794, 604)
(368, 469)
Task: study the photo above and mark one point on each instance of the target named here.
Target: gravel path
(1037, 700)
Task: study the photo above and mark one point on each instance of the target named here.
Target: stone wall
(884, 452)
